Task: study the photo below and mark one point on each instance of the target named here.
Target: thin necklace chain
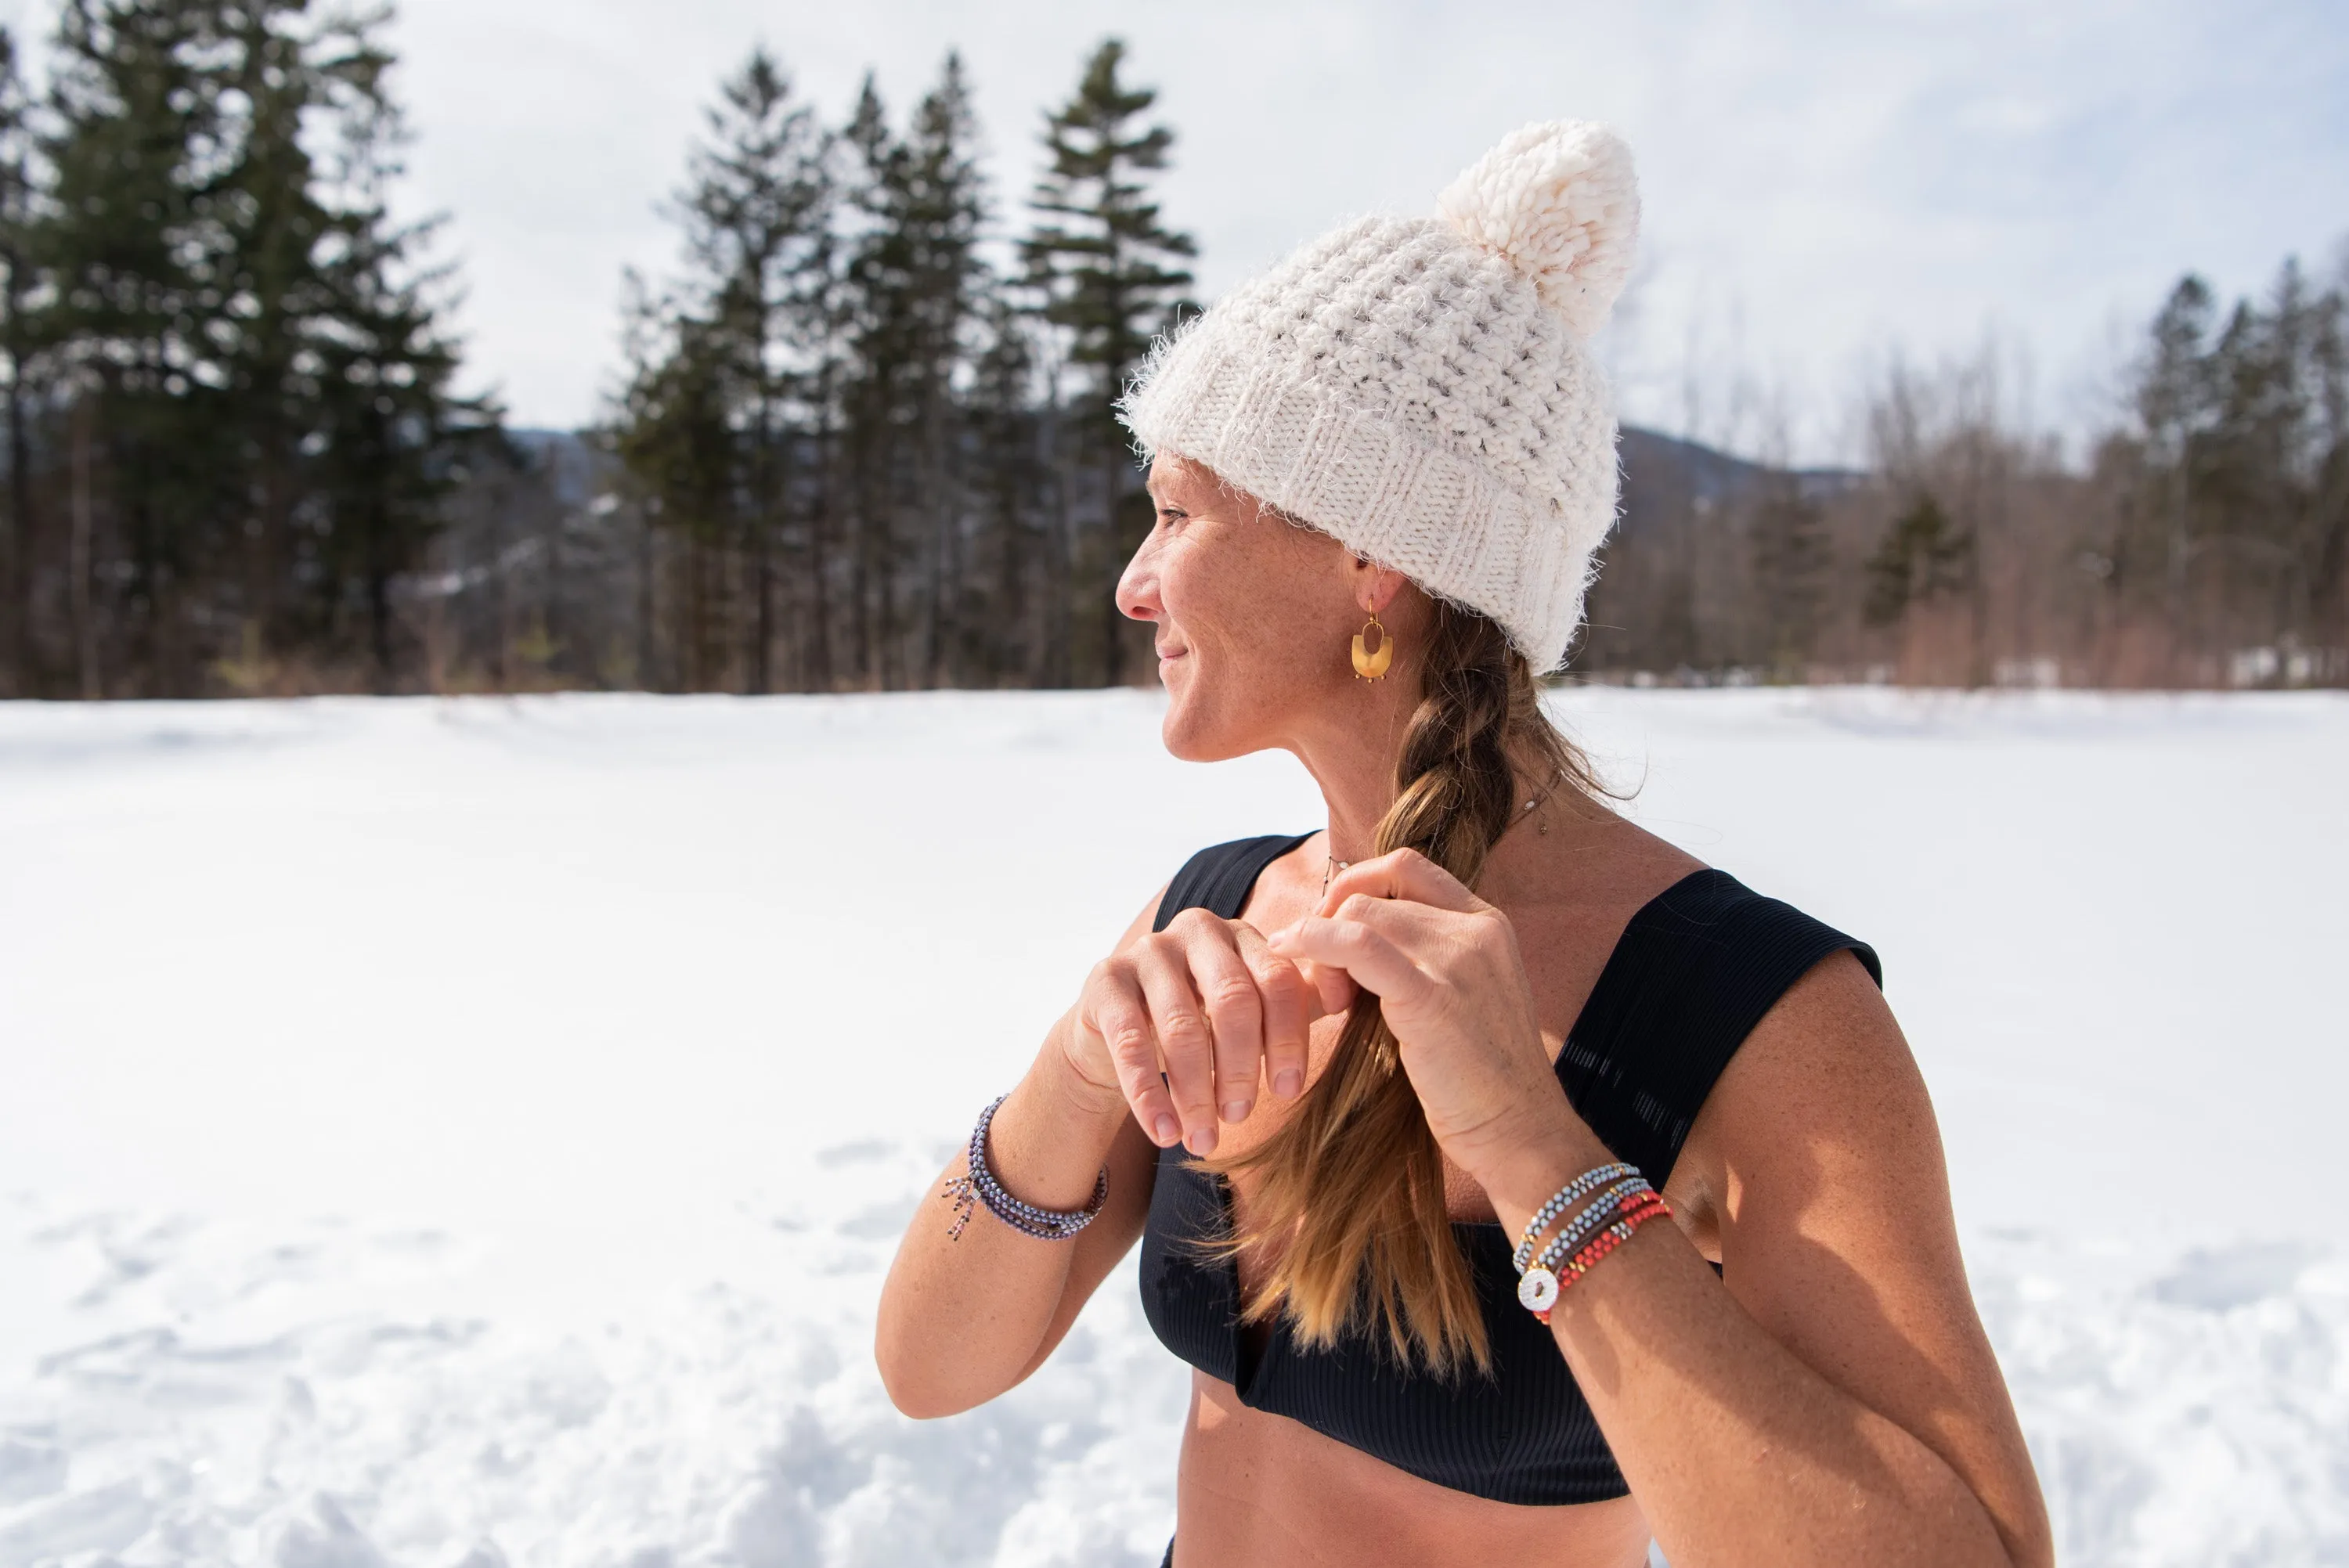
(1331, 867)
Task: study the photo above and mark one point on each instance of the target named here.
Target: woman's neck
(1356, 775)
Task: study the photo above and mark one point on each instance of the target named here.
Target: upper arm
(1816, 1174)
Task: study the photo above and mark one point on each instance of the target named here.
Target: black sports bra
(1693, 973)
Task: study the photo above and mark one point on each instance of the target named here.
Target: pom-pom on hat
(1422, 389)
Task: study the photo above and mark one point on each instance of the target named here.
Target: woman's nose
(1137, 585)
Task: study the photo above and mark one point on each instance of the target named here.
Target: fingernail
(1287, 1082)
(1169, 1129)
(1203, 1142)
(1236, 1111)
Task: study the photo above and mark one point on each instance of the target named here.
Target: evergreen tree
(1110, 274)
(16, 285)
(1002, 640)
(1790, 558)
(945, 207)
(913, 282)
(724, 360)
(259, 374)
(138, 244)
(759, 212)
(1923, 556)
(2239, 522)
(343, 367)
(676, 438)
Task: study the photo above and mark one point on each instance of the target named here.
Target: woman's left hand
(1445, 968)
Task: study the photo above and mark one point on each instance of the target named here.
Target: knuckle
(1231, 994)
(1183, 1029)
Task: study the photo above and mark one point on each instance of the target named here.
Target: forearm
(1740, 1452)
(964, 1317)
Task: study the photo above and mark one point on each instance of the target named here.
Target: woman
(1396, 1106)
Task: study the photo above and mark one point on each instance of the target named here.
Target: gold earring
(1370, 664)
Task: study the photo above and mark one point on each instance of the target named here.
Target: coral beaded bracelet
(1636, 1213)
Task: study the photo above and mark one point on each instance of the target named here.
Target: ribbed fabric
(1695, 969)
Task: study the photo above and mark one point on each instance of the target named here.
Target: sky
(1826, 185)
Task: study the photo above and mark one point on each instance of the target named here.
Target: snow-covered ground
(466, 1132)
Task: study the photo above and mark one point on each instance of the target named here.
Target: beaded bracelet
(1539, 1286)
(1637, 1212)
(1590, 1181)
(977, 1185)
(1563, 1244)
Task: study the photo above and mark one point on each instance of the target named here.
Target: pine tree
(724, 361)
(758, 223)
(344, 367)
(677, 439)
(256, 355)
(1790, 558)
(946, 209)
(1923, 556)
(138, 246)
(1004, 641)
(877, 352)
(2238, 533)
(1108, 269)
(16, 651)
(912, 283)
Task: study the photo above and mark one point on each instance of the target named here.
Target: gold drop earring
(1370, 664)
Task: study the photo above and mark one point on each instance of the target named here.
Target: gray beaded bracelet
(1590, 1181)
(977, 1185)
(1562, 1245)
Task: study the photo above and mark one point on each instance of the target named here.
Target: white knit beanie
(1423, 389)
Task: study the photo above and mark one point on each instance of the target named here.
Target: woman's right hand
(1209, 1005)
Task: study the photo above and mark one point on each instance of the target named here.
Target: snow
(471, 1132)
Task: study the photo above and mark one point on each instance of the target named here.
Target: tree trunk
(647, 676)
(763, 635)
(79, 563)
(16, 565)
(817, 660)
(1112, 568)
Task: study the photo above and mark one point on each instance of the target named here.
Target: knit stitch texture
(1423, 389)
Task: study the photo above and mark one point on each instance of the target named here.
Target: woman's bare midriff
(1261, 1491)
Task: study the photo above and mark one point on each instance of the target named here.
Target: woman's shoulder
(1700, 963)
(1219, 878)
(1724, 936)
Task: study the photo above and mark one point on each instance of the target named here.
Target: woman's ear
(1375, 586)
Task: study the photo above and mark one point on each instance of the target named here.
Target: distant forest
(864, 439)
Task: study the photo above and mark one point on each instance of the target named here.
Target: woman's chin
(1191, 732)
(1181, 728)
